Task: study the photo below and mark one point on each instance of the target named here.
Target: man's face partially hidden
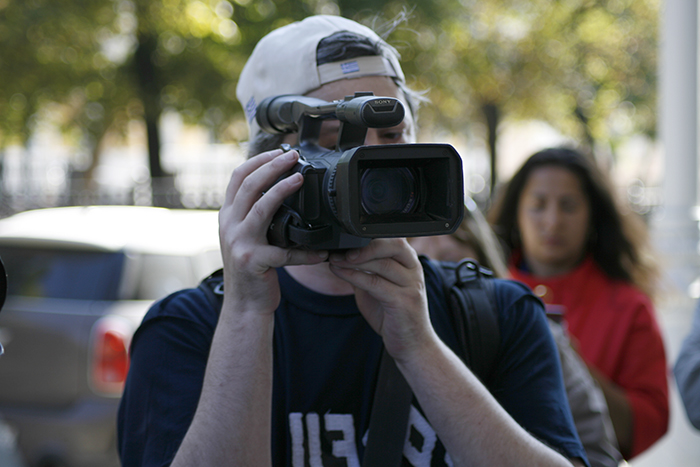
(381, 86)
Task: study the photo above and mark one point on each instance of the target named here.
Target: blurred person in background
(475, 239)
(570, 242)
(687, 371)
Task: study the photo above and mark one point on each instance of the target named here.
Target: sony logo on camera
(354, 193)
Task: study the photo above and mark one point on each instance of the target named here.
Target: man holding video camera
(285, 373)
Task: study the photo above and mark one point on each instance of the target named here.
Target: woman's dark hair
(334, 48)
(617, 241)
(475, 232)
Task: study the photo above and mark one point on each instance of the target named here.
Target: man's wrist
(421, 351)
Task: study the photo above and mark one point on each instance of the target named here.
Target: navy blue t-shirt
(326, 360)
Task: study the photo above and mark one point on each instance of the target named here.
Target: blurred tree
(54, 69)
(587, 67)
(91, 66)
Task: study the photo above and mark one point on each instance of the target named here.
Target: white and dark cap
(285, 62)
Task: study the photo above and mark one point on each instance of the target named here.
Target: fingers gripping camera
(354, 193)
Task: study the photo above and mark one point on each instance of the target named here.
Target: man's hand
(390, 292)
(251, 202)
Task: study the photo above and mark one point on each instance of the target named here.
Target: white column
(675, 227)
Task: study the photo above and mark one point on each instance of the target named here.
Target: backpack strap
(388, 422)
(469, 292)
(213, 289)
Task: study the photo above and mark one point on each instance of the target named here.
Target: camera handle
(350, 136)
(287, 230)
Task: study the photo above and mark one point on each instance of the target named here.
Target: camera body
(354, 193)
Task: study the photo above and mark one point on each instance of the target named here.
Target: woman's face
(554, 220)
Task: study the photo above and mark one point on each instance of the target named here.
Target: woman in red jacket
(574, 247)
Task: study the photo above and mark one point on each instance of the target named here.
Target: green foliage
(568, 61)
(46, 57)
(586, 67)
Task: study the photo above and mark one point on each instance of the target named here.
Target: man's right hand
(251, 202)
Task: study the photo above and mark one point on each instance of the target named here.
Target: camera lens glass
(390, 190)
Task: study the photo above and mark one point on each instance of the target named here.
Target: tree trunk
(588, 141)
(163, 188)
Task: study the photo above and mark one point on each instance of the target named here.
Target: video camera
(355, 193)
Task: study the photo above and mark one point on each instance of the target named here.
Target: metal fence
(48, 177)
(32, 179)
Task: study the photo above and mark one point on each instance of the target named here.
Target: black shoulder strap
(469, 291)
(388, 422)
(213, 289)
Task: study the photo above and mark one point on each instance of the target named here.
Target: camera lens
(388, 191)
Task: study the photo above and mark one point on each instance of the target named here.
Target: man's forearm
(474, 428)
(233, 417)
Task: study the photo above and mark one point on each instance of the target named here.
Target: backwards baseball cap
(284, 62)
